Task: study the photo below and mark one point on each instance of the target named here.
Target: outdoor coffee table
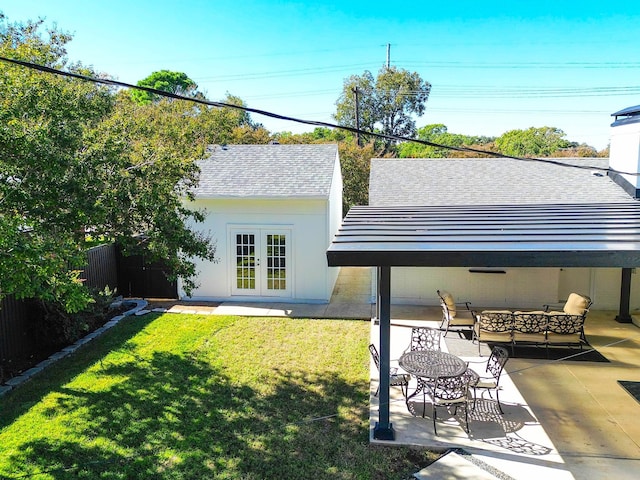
(428, 365)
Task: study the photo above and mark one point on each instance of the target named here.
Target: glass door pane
(246, 262)
(276, 262)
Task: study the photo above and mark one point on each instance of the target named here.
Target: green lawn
(191, 396)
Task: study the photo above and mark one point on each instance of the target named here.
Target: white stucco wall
(308, 223)
(528, 288)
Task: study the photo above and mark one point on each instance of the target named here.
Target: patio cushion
(564, 328)
(530, 326)
(466, 320)
(494, 326)
(576, 304)
(450, 302)
(486, 383)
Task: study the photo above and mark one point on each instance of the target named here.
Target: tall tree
(386, 104)
(228, 125)
(143, 166)
(167, 81)
(76, 158)
(42, 202)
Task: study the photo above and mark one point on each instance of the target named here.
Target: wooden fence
(15, 335)
(102, 268)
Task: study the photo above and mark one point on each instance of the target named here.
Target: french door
(261, 262)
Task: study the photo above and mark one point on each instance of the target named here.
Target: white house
(500, 181)
(273, 211)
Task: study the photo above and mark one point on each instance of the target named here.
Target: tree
(143, 166)
(355, 162)
(167, 81)
(386, 104)
(438, 133)
(318, 135)
(76, 158)
(42, 202)
(228, 125)
(538, 142)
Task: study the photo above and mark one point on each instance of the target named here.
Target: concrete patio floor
(563, 419)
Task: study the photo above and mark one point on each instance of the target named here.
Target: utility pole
(388, 56)
(357, 100)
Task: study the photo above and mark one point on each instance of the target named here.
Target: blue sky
(493, 65)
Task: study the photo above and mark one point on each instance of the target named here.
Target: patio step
(458, 464)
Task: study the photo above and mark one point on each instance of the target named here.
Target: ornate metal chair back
(497, 361)
(425, 338)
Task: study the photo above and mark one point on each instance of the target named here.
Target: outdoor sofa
(542, 327)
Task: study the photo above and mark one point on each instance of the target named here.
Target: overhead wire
(317, 123)
(112, 82)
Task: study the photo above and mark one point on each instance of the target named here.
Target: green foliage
(54, 327)
(176, 396)
(318, 135)
(537, 142)
(227, 125)
(143, 166)
(386, 104)
(75, 157)
(167, 81)
(437, 133)
(355, 162)
(42, 186)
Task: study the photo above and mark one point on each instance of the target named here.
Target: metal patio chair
(451, 317)
(495, 366)
(425, 338)
(451, 392)
(395, 379)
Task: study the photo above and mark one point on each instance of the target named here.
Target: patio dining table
(428, 365)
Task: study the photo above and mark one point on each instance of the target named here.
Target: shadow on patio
(562, 418)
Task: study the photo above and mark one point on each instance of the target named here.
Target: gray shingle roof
(267, 171)
(489, 181)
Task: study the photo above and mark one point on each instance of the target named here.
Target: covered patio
(563, 419)
(606, 235)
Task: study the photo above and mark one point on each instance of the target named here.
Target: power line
(524, 65)
(317, 123)
(283, 73)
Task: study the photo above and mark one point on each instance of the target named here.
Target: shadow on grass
(177, 416)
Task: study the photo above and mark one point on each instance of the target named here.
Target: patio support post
(383, 429)
(625, 297)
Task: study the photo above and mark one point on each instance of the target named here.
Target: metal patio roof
(543, 235)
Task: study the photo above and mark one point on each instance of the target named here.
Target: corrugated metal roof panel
(635, 110)
(544, 235)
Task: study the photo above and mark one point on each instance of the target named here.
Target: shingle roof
(490, 181)
(267, 171)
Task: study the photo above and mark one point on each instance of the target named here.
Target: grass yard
(202, 397)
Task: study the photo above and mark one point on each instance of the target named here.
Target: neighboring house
(499, 181)
(273, 211)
